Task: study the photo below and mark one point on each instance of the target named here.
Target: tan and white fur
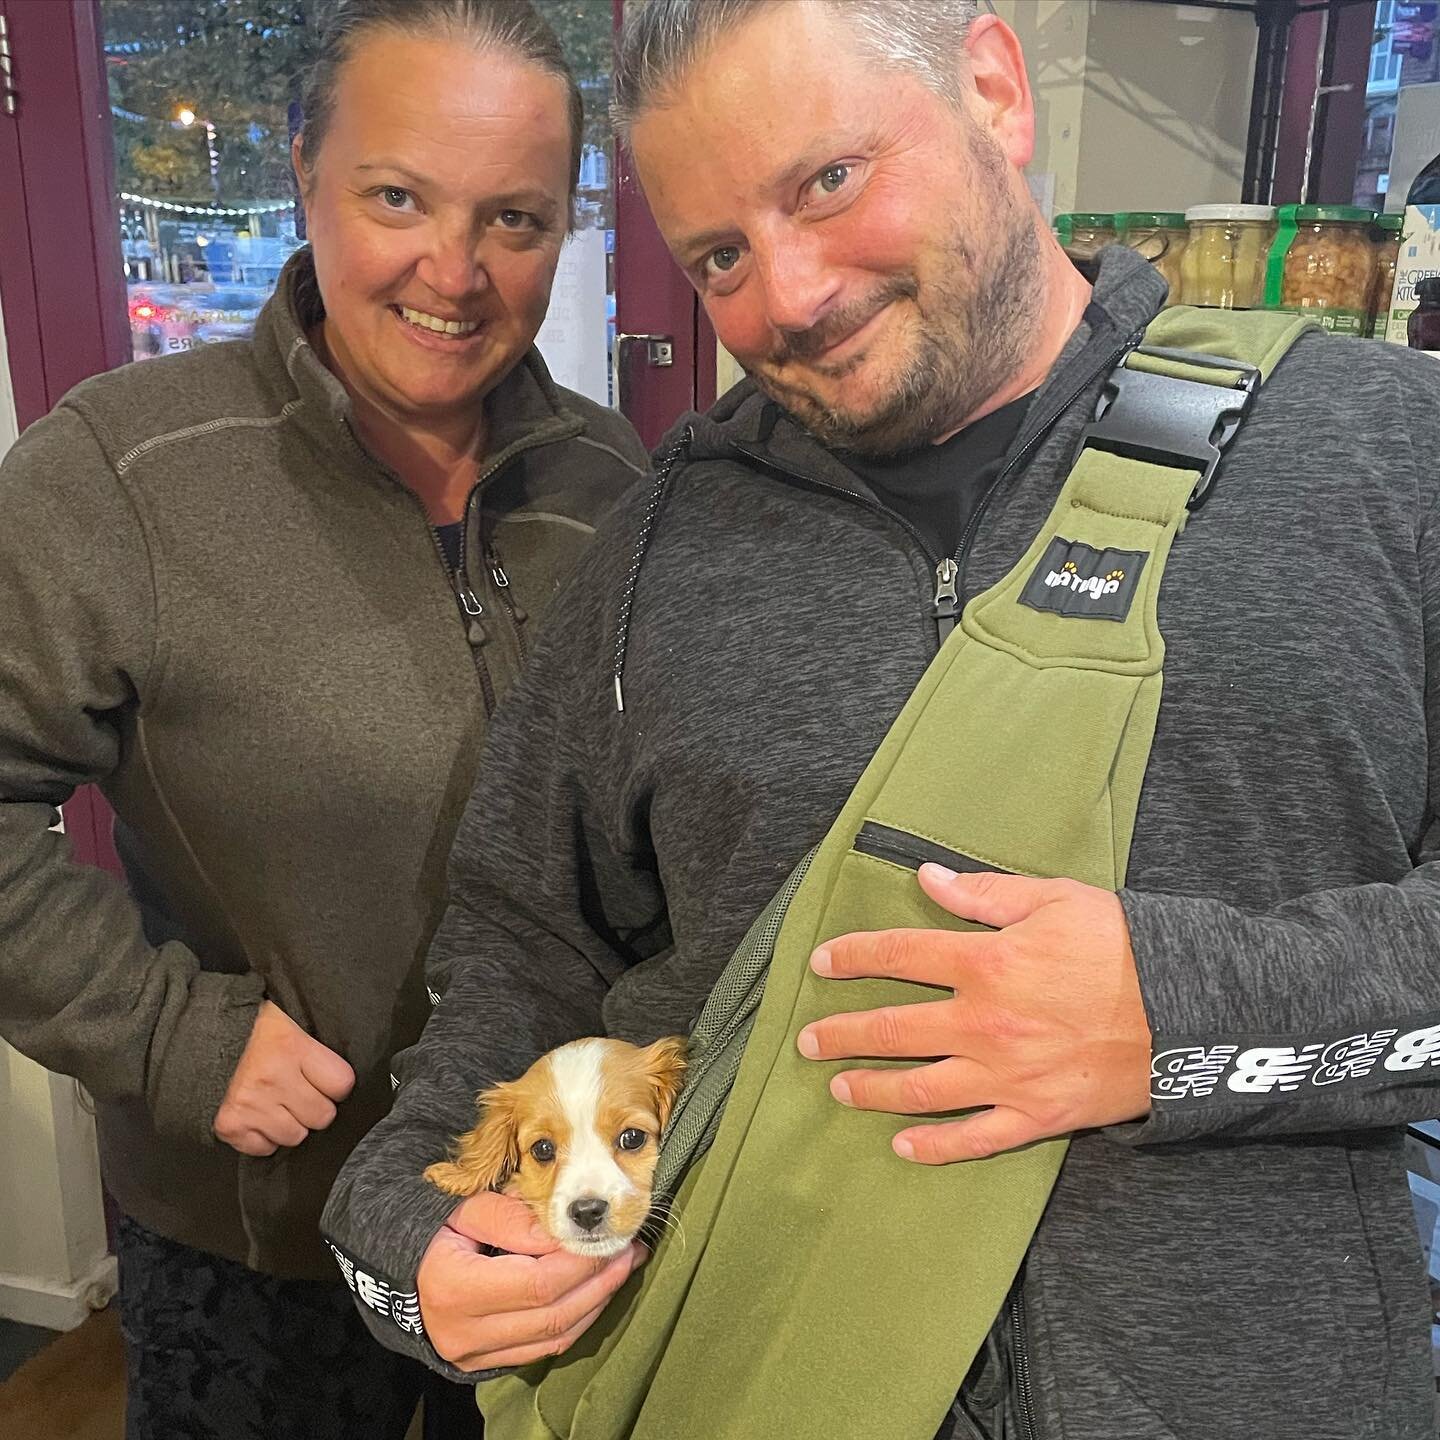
(576, 1137)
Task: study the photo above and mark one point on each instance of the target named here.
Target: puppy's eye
(633, 1139)
(543, 1151)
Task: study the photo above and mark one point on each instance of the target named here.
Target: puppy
(576, 1137)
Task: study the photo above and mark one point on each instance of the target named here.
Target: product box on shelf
(1419, 258)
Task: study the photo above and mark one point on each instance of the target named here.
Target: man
(1229, 1249)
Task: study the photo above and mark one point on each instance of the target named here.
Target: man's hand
(1046, 1030)
(286, 1085)
(485, 1312)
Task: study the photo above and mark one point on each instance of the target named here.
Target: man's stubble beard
(972, 339)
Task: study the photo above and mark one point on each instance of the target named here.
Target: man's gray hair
(662, 39)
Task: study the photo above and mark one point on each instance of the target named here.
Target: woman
(267, 594)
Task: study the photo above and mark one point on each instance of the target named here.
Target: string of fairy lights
(219, 211)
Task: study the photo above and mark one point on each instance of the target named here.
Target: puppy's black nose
(588, 1212)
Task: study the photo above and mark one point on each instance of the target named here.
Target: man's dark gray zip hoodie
(1243, 1262)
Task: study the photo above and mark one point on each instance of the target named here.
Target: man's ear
(1001, 100)
(485, 1157)
(664, 1067)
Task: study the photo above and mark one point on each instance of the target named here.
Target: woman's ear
(485, 1157)
(664, 1067)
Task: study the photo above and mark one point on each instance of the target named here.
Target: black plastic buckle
(1164, 420)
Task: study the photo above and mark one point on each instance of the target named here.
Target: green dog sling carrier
(811, 1284)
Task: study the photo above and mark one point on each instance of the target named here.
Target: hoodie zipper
(948, 572)
(945, 607)
(1020, 1357)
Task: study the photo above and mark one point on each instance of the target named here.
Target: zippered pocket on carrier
(902, 847)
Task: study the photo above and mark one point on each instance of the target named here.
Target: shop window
(1402, 102)
(204, 102)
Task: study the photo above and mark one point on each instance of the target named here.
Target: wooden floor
(73, 1389)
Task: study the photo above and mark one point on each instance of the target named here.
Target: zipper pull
(497, 573)
(947, 602)
(474, 627)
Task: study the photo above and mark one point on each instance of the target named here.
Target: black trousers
(214, 1351)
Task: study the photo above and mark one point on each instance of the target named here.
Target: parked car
(165, 319)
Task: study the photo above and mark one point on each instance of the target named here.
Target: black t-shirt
(449, 536)
(937, 487)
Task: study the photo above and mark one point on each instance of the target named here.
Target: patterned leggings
(214, 1351)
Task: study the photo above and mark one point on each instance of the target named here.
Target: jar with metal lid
(1160, 236)
(1323, 265)
(1385, 236)
(1083, 235)
(1224, 261)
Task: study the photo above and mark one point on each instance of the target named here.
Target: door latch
(659, 349)
(8, 95)
(659, 354)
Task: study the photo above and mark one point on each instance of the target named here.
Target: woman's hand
(485, 1312)
(286, 1085)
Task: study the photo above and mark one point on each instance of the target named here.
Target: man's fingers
(953, 1084)
(903, 1031)
(897, 955)
(990, 898)
(989, 1133)
(501, 1221)
(527, 1325)
(529, 1354)
(328, 1072)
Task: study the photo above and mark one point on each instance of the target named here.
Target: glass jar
(1385, 236)
(1327, 265)
(1160, 236)
(1224, 261)
(1083, 235)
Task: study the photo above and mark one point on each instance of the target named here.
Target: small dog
(576, 1137)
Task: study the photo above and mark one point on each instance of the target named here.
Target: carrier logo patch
(1078, 581)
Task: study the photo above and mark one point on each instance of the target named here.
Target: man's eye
(394, 198)
(543, 1151)
(723, 260)
(516, 219)
(832, 177)
(633, 1139)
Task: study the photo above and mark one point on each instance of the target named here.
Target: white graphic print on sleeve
(1267, 1068)
(1189, 1073)
(1416, 1050)
(400, 1306)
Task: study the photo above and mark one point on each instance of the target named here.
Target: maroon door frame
(61, 278)
(653, 297)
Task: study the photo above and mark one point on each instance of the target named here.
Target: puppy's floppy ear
(664, 1067)
(485, 1157)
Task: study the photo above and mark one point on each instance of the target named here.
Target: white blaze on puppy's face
(587, 1173)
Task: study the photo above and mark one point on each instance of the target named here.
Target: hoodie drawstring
(642, 544)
